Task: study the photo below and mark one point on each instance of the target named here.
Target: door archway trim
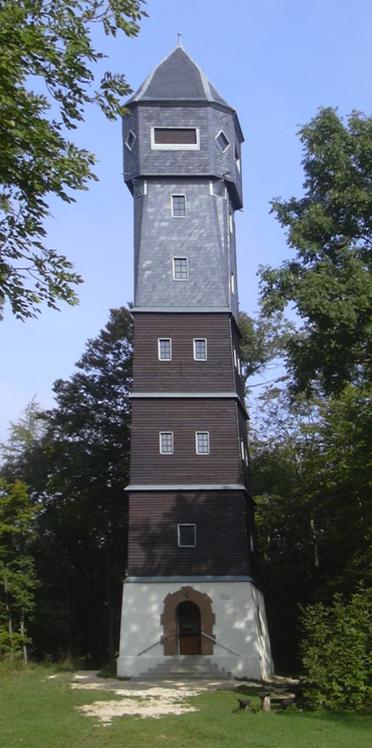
(168, 619)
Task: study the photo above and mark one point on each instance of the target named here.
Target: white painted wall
(241, 649)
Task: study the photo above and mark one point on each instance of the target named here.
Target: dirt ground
(141, 699)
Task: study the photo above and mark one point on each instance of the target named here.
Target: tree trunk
(23, 633)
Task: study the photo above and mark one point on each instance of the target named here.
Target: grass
(38, 712)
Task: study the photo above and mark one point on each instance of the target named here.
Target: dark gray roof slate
(177, 78)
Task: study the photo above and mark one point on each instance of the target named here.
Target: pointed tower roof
(178, 78)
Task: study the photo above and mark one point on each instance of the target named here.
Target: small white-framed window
(130, 140)
(139, 187)
(166, 442)
(237, 160)
(217, 188)
(202, 442)
(200, 349)
(222, 141)
(235, 358)
(239, 367)
(165, 349)
(231, 222)
(180, 269)
(232, 283)
(186, 536)
(178, 206)
(242, 449)
(175, 138)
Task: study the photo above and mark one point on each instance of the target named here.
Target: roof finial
(179, 39)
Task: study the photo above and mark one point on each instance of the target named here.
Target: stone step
(186, 666)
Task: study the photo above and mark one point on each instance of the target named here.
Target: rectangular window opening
(166, 442)
(175, 138)
(232, 283)
(180, 268)
(202, 442)
(178, 206)
(186, 536)
(200, 349)
(165, 349)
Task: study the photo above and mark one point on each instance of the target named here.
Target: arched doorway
(188, 628)
(169, 620)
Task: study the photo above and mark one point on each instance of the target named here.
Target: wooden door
(189, 630)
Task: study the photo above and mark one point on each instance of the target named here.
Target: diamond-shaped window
(222, 141)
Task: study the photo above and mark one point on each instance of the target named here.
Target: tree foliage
(329, 281)
(17, 572)
(47, 64)
(262, 343)
(311, 471)
(77, 468)
(337, 647)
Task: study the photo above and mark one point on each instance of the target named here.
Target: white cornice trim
(185, 395)
(176, 579)
(183, 310)
(189, 396)
(186, 487)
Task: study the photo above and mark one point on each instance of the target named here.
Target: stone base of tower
(234, 640)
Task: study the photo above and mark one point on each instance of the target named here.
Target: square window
(222, 141)
(165, 349)
(186, 535)
(202, 442)
(131, 139)
(180, 269)
(200, 349)
(178, 206)
(166, 442)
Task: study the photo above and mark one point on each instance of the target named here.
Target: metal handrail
(160, 641)
(215, 641)
(163, 638)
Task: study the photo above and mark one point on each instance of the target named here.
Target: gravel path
(141, 699)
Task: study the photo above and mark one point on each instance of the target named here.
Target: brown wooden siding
(182, 373)
(238, 382)
(184, 417)
(221, 534)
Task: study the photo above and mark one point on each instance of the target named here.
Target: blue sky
(276, 62)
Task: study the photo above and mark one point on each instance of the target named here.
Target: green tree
(337, 646)
(17, 572)
(77, 470)
(262, 343)
(47, 63)
(329, 282)
(311, 473)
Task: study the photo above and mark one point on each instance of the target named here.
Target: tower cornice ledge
(143, 487)
(190, 396)
(182, 310)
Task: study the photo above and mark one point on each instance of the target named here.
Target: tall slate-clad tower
(190, 604)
